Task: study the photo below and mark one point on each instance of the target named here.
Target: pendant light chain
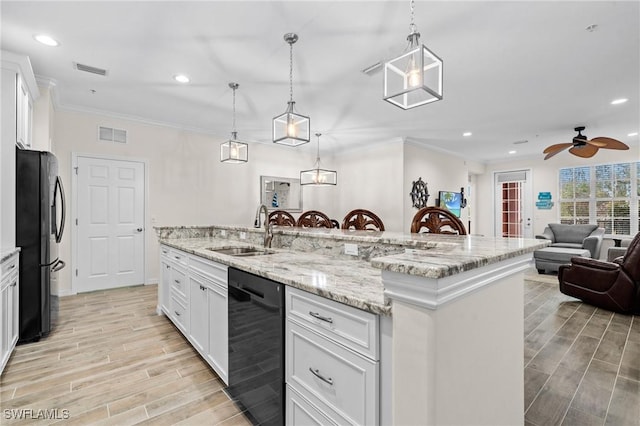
(412, 26)
(234, 111)
(318, 150)
(290, 72)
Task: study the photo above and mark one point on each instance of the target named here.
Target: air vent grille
(109, 134)
(90, 69)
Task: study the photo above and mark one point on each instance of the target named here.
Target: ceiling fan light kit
(233, 150)
(318, 175)
(582, 147)
(290, 128)
(415, 77)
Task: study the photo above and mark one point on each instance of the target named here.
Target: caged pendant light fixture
(291, 128)
(317, 175)
(415, 77)
(234, 151)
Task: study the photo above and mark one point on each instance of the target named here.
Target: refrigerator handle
(60, 230)
(58, 265)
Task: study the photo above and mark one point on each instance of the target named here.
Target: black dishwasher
(256, 347)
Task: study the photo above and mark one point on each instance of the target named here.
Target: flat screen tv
(450, 201)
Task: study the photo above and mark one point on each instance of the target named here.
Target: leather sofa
(610, 285)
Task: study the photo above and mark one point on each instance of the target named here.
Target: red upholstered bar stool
(437, 221)
(363, 220)
(314, 219)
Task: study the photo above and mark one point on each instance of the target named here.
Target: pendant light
(290, 128)
(415, 77)
(318, 176)
(234, 151)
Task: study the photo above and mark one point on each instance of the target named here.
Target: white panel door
(513, 210)
(110, 220)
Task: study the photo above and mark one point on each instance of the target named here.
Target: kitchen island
(451, 334)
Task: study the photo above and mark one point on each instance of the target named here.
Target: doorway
(109, 221)
(513, 209)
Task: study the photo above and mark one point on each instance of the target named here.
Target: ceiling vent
(109, 134)
(90, 69)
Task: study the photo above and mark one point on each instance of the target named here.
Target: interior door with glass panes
(513, 208)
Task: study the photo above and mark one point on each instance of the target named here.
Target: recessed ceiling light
(592, 28)
(512, 152)
(633, 134)
(465, 134)
(46, 40)
(619, 101)
(181, 78)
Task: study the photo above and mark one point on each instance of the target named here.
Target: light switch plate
(243, 235)
(223, 232)
(351, 249)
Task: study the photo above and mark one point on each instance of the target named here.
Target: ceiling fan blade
(598, 143)
(551, 153)
(558, 146)
(609, 143)
(584, 151)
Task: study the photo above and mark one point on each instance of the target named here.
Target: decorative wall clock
(419, 194)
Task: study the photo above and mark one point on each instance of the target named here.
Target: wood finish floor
(582, 364)
(112, 360)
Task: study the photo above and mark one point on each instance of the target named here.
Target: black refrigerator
(40, 216)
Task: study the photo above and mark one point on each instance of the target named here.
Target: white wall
(371, 179)
(544, 179)
(188, 185)
(440, 171)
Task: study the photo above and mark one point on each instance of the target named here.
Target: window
(606, 194)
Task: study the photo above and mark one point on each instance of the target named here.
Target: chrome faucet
(268, 228)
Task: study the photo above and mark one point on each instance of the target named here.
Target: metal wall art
(419, 194)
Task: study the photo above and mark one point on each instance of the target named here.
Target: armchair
(586, 237)
(610, 285)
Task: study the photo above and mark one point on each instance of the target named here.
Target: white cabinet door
(165, 285)
(198, 313)
(13, 312)
(4, 334)
(218, 354)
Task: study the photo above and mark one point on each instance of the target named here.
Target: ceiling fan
(583, 147)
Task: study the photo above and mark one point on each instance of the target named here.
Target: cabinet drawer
(165, 251)
(179, 282)
(337, 380)
(302, 412)
(178, 312)
(9, 266)
(352, 327)
(209, 269)
(178, 256)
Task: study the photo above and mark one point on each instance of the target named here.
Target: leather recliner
(610, 285)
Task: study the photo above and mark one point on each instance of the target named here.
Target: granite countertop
(350, 281)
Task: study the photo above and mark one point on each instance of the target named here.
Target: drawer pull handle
(177, 257)
(316, 373)
(320, 317)
(12, 266)
(203, 288)
(177, 313)
(14, 284)
(177, 281)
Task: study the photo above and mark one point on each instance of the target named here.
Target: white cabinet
(218, 354)
(9, 313)
(193, 294)
(24, 113)
(198, 312)
(332, 362)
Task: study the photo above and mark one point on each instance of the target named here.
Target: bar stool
(314, 219)
(281, 218)
(363, 220)
(437, 220)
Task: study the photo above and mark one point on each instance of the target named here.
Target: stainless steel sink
(242, 251)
